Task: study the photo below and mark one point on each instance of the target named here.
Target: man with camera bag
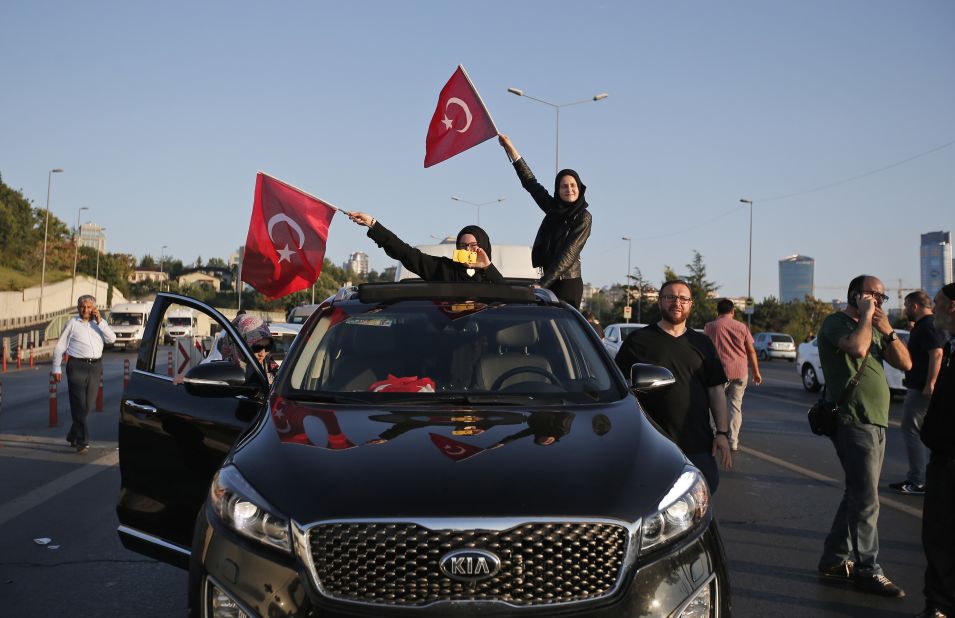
(859, 335)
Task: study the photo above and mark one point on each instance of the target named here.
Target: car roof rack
(454, 291)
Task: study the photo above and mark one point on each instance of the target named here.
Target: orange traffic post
(169, 363)
(31, 356)
(125, 373)
(53, 420)
(99, 395)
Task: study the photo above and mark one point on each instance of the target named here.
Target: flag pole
(481, 101)
(306, 193)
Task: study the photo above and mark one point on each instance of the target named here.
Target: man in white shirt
(82, 339)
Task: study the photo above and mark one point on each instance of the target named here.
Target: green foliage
(800, 319)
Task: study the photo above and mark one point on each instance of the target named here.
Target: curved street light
(629, 245)
(46, 229)
(464, 201)
(749, 275)
(557, 106)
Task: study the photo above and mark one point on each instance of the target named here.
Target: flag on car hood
(460, 121)
(285, 246)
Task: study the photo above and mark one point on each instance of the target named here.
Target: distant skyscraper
(357, 263)
(796, 278)
(92, 235)
(935, 258)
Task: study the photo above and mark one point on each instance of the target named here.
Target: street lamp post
(557, 106)
(749, 275)
(162, 255)
(629, 245)
(46, 229)
(464, 201)
(96, 278)
(639, 294)
(76, 250)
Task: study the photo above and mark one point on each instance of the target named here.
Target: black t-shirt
(683, 409)
(923, 338)
(938, 429)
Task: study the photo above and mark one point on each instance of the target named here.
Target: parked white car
(616, 333)
(774, 345)
(807, 366)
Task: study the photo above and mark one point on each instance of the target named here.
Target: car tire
(809, 380)
(764, 355)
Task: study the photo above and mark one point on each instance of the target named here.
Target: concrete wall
(56, 298)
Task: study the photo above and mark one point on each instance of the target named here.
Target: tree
(148, 263)
(702, 290)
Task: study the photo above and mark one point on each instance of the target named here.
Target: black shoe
(878, 584)
(71, 440)
(82, 449)
(908, 487)
(843, 571)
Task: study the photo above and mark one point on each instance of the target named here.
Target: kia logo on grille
(470, 565)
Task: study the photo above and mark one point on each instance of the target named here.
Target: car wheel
(763, 355)
(809, 380)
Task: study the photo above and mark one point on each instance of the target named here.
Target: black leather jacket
(558, 246)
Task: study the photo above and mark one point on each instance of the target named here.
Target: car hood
(317, 462)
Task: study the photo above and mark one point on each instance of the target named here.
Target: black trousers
(82, 380)
(938, 534)
(568, 290)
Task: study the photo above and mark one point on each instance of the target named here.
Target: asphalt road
(774, 508)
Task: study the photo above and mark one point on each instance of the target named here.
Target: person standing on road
(82, 339)
(925, 348)
(859, 334)
(683, 410)
(564, 230)
(938, 434)
(734, 345)
(435, 268)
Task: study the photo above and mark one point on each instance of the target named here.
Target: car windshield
(282, 342)
(126, 319)
(178, 321)
(443, 351)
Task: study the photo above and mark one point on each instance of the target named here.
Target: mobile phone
(464, 256)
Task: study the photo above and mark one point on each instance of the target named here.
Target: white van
(185, 322)
(298, 315)
(128, 321)
(512, 261)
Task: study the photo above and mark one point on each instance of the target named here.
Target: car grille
(398, 563)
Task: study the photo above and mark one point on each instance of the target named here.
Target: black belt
(85, 360)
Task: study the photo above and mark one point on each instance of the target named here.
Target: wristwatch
(722, 433)
(890, 337)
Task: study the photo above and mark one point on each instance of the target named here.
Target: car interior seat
(514, 348)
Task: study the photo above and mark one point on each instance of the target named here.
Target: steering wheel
(527, 369)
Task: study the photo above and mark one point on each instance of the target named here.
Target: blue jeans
(854, 534)
(913, 414)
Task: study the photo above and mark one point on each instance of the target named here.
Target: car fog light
(222, 605)
(699, 606)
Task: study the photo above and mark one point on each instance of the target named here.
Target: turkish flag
(285, 247)
(460, 121)
(454, 449)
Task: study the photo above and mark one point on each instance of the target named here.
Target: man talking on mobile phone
(82, 339)
(852, 345)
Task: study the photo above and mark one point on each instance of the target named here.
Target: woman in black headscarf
(562, 233)
(434, 268)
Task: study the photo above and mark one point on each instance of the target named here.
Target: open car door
(171, 442)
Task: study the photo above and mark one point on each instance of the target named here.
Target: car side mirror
(218, 379)
(645, 378)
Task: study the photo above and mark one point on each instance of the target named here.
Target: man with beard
(859, 337)
(683, 410)
(925, 347)
(938, 434)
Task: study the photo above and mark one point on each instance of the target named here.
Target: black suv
(426, 449)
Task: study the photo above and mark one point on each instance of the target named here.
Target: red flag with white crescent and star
(285, 247)
(460, 121)
(454, 449)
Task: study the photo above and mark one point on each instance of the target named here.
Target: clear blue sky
(162, 113)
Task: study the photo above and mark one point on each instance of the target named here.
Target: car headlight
(682, 509)
(241, 508)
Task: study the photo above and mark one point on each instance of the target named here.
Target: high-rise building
(92, 235)
(935, 259)
(796, 278)
(357, 263)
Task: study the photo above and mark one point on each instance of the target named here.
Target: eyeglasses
(258, 347)
(672, 298)
(879, 298)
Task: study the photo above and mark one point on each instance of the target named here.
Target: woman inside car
(471, 238)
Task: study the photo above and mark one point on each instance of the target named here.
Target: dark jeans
(568, 290)
(82, 380)
(913, 414)
(707, 465)
(938, 534)
(854, 534)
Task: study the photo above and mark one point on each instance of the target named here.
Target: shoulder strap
(854, 380)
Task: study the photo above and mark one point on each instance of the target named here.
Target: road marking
(41, 494)
(782, 463)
